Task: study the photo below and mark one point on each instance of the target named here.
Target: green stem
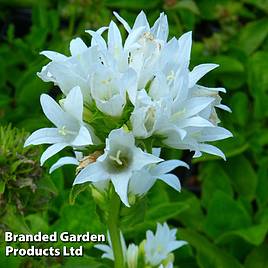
(114, 231)
(149, 146)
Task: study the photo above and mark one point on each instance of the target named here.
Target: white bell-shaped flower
(143, 180)
(158, 246)
(76, 70)
(120, 159)
(70, 129)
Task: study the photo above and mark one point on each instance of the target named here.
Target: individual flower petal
(77, 46)
(176, 244)
(64, 161)
(196, 121)
(120, 182)
(44, 135)
(125, 24)
(114, 106)
(98, 39)
(171, 180)
(108, 251)
(100, 31)
(211, 149)
(53, 111)
(185, 45)
(199, 71)
(132, 254)
(141, 159)
(224, 107)
(52, 150)
(141, 182)
(141, 21)
(91, 173)
(83, 138)
(131, 41)
(55, 56)
(114, 38)
(194, 105)
(168, 166)
(73, 103)
(67, 77)
(214, 134)
(160, 28)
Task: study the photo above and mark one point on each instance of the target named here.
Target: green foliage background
(222, 210)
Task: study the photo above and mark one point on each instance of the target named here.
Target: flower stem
(114, 231)
(149, 146)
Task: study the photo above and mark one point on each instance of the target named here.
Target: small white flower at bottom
(157, 247)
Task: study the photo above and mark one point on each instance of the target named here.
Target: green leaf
(192, 217)
(261, 4)
(252, 35)
(37, 223)
(10, 261)
(2, 187)
(262, 215)
(15, 222)
(185, 4)
(4, 100)
(254, 235)
(210, 9)
(240, 108)
(80, 217)
(158, 194)
(160, 213)
(258, 82)
(258, 257)
(244, 183)
(84, 262)
(228, 65)
(58, 177)
(261, 191)
(138, 4)
(209, 256)
(76, 190)
(165, 211)
(25, 92)
(261, 137)
(135, 214)
(214, 178)
(47, 184)
(221, 208)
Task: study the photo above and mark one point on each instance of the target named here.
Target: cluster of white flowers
(154, 252)
(125, 98)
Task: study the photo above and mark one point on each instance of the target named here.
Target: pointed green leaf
(225, 214)
(209, 256)
(258, 257)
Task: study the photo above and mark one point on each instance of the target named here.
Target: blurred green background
(222, 210)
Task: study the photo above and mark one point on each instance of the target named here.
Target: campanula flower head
(124, 96)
